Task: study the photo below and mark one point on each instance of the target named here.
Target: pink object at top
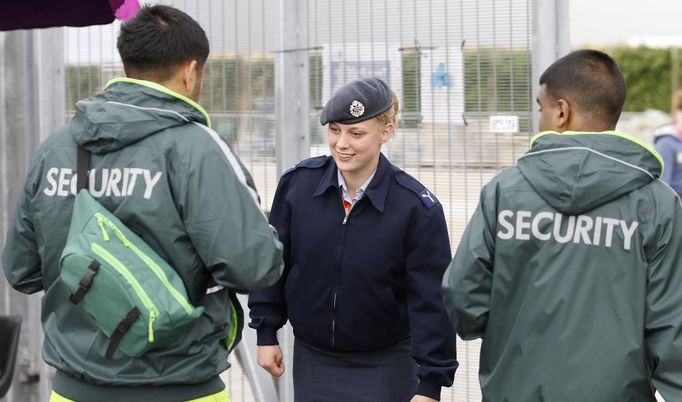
(127, 10)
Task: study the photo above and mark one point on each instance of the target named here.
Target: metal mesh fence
(461, 69)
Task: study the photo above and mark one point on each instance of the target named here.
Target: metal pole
(293, 144)
(31, 107)
(291, 85)
(674, 70)
(550, 38)
(261, 381)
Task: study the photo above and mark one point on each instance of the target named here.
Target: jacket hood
(129, 110)
(575, 172)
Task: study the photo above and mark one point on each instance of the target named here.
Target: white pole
(32, 99)
(550, 38)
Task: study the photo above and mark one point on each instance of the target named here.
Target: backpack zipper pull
(152, 317)
(121, 236)
(100, 223)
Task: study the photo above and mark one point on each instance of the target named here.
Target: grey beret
(357, 101)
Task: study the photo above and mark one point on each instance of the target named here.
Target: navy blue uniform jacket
(365, 284)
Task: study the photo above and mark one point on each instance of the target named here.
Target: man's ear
(190, 76)
(562, 115)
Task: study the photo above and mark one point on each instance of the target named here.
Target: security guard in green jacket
(571, 267)
(156, 164)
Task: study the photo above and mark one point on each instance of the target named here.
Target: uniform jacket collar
(377, 189)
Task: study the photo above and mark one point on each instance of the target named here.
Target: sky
(608, 22)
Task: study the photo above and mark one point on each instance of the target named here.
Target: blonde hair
(391, 114)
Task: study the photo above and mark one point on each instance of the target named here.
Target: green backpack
(133, 295)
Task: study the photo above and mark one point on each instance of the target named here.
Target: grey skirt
(388, 375)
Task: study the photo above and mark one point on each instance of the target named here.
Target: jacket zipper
(139, 290)
(102, 220)
(334, 318)
(346, 211)
(336, 285)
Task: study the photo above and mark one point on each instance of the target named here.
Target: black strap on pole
(82, 168)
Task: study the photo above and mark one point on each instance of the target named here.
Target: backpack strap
(121, 330)
(82, 168)
(85, 282)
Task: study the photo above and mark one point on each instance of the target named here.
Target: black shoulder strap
(121, 330)
(82, 168)
(85, 282)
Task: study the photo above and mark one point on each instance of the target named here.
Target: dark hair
(158, 40)
(591, 81)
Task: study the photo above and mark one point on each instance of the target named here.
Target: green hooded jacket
(157, 165)
(571, 271)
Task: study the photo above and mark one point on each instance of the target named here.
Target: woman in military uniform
(366, 246)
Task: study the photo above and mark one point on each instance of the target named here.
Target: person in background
(158, 166)
(570, 269)
(668, 143)
(365, 248)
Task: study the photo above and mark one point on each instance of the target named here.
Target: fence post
(292, 145)
(551, 36)
(32, 99)
(291, 85)
(262, 384)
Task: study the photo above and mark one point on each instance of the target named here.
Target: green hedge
(497, 80)
(648, 75)
(412, 101)
(235, 83)
(494, 80)
(81, 82)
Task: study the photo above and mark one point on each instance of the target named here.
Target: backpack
(134, 297)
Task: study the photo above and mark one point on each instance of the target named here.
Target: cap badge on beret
(357, 109)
